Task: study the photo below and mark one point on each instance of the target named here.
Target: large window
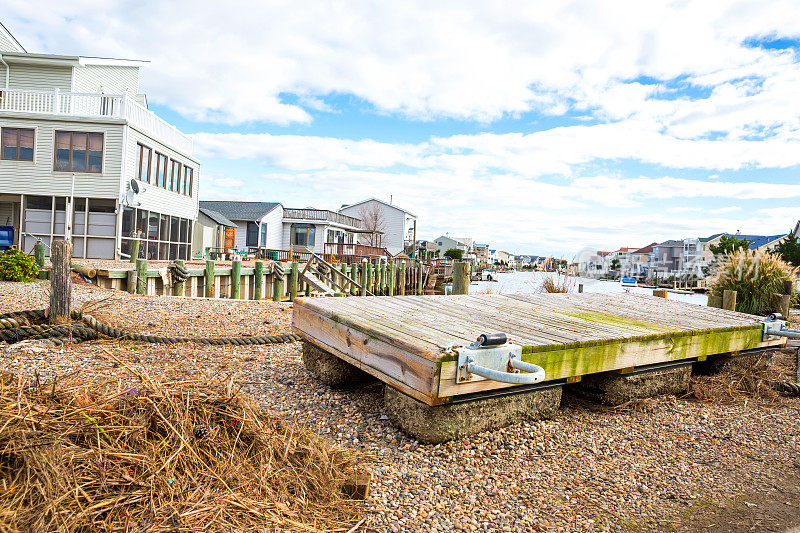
(79, 152)
(161, 170)
(188, 178)
(303, 234)
(175, 176)
(252, 234)
(163, 237)
(143, 154)
(18, 144)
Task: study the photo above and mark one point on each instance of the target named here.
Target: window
(252, 234)
(143, 163)
(79, 152)
(18, 144)
(303, 234)
(175, 176)
(263, 239)
(188, 178)
(161, 170)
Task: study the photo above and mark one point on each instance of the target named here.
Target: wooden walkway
(406, 341)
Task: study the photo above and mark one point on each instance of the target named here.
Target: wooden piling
(210, 278)
(580, 287)
(60, 282)
(131, 281)
(134, 250)
(258, 282)
(277, 286)
(38, 255)
(729, 300)
(141, 276)
(392, 277)
(402, 279)
(354, 277)
(178, 287)
(420, 278)
(236, 278)
(294, 280)
(460, 277)
(364, 275)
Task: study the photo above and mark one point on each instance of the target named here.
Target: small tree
(374, 223)
(615, 264)
(789, 249)
(729, 244)
(454, 254)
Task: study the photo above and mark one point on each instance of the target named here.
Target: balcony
(323, 215)
(92, 105)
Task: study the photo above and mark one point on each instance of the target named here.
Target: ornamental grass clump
(559, 283)
(755, 276)
(17, 266)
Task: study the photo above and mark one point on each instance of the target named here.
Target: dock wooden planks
(405, 340)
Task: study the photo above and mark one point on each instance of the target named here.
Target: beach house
(78, 141)
(395, 227)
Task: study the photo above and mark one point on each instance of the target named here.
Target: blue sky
(538, 128)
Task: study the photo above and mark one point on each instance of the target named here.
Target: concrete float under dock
(410, 343)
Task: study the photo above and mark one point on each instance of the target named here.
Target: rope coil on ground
(12, 330)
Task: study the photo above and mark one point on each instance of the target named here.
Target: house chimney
(390, 199)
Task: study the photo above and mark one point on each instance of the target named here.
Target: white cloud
(468, 60)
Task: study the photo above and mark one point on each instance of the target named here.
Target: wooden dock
(408, 341)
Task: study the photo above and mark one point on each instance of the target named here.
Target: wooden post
(661, 293)
(729, 300)
(354, 277)
(132, 281)
(580, 288)
(421, 278)
(134, 250)
(364, 279)
(277, 286)
(392, 277)
(211, 278)
(258, 282)
(788, 287)
(460, 277)
(294, 280)
(236, 278)
(403, 279)
(178, 287)
(38, 255)
(60, 282)
(141, 276)
(381, 278)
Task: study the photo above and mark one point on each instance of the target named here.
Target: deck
(406, 341)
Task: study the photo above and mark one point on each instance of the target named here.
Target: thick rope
(15, 326)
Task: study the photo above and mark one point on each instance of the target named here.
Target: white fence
(58, 102)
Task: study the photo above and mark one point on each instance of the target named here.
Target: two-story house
(76, 135)
(396, 225)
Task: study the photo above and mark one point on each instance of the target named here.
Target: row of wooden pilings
(279, 283)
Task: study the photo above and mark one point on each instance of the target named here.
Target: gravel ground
(644, 467)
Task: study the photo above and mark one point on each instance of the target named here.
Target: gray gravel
(586, 470)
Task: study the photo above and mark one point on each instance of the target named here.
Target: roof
(671, 242)
(217, 217)
(756, 241)
(647, 249)
(11, 37)
(344, 206)
(240, 210)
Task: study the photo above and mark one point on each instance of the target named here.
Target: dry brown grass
(740, 381)
(179, 456)
(557, 283)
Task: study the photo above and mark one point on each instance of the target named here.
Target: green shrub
(454, 253)
(755, 276)
(16, 266)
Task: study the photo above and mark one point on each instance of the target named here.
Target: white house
(272, 226)
(397, 225)
(444, 243)
(76, 130)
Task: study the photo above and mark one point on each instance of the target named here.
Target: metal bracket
(496, 362)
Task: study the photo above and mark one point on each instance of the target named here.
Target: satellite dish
(130, 198)
(134, 187)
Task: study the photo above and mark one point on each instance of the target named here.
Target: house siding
(39, 178)
(7, 44)
(106, 79)
(155, 198)
(394, 219)
(274, 222)
(40, 77)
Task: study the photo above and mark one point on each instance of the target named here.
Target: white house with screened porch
(77, 129)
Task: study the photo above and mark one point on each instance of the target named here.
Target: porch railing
(323, 215)
(57, 102)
